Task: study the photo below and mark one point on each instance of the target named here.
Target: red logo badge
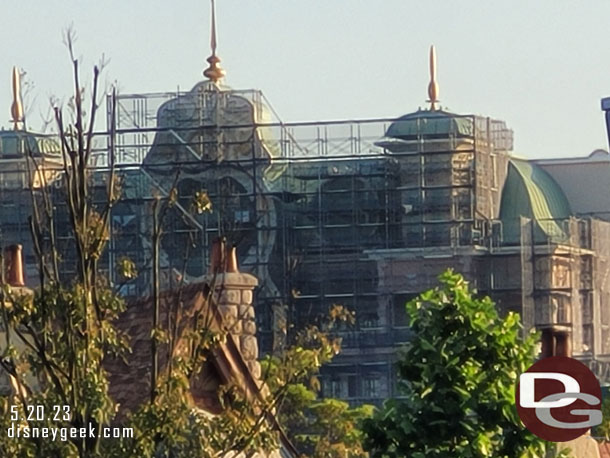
(559, 399)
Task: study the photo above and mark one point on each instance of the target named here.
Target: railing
(376, 339)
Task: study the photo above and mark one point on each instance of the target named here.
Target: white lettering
(527, 389)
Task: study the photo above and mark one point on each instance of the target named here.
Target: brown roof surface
(130, 379)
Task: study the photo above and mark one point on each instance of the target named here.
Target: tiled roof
(130, 379)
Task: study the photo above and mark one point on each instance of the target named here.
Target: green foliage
(126, 268)
(325, 428)
(458, 379)
(201, 202)
(56, 350)
(603, 430)
(172, 427)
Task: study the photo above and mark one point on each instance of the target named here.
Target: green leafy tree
(57, 337)
(319, 428)
(323, 428)
(457, 379)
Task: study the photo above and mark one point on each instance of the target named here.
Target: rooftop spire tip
(433, 88)
(214, 72)
(17, 106)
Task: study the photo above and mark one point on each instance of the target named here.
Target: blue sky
(541, 66)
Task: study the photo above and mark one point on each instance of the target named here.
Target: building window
(369, 320)
(352, 386)
(587, 338)
(332, 388)
(370, 387)
(242, 216)
(400, 309)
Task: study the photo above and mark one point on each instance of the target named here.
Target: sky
(541, 66)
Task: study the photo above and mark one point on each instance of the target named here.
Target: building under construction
(365, 214)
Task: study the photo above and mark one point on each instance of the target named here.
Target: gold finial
(433, 89)
(214, 72)
(17, 106)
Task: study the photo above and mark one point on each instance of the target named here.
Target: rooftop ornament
(214, 72)
(17, 106)
(433, 89)
(606, 109)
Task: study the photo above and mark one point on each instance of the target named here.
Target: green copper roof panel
(531, 192)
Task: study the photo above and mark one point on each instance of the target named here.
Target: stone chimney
(13, 265)
(232, 291)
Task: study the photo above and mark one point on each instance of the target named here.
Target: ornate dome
(430, 123)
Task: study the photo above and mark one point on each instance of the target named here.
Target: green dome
(16, 143)
(531, 192)
(430, 123)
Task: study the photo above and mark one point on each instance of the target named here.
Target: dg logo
(559, 399)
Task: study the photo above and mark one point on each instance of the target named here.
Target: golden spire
(214, 72)
(17, 106)
(433, 89)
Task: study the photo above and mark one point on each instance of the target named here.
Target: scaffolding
(363, 213)
(316, 209)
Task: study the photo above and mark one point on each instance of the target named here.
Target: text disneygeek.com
(64, 434)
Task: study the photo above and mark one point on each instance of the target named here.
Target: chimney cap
(13, 265)
(222, 258)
